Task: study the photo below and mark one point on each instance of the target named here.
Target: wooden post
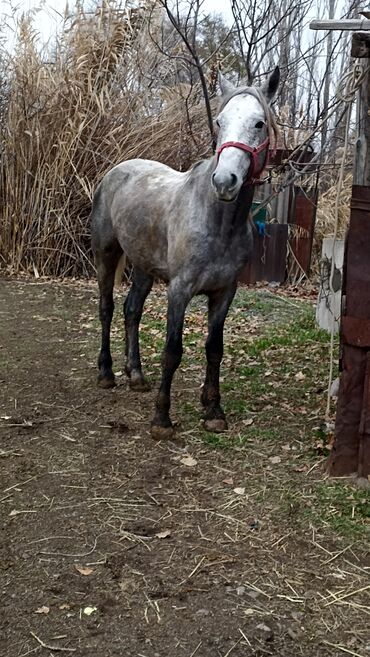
(361, 173)
(349, 25)
(351, 449)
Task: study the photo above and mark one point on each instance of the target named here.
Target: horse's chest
(224, 262)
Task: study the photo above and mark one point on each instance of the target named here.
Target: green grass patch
(342, 508)
(273, 388)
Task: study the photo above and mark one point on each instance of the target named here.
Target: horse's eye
(217, 123)
(259, 125)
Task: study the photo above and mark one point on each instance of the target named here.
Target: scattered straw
(232, 647)
(347, 595)
(346, 650)
(50, 647)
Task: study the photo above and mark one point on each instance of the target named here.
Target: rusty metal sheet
(303, 214)
(351, 450)
(356, 331)
(364, 429)
(360, 44)
(268, 261)
(358, 255)
(344, 457)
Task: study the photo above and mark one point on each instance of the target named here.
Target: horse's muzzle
(225, 185)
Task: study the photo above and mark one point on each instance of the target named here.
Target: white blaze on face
(242, 120)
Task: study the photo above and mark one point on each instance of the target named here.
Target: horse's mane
(196, 164)
(273, 130)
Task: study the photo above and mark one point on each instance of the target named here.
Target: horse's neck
(220, 213)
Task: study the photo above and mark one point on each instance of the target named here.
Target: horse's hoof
(216, 425)
(106, 382)
(162, 433)
(139, 385)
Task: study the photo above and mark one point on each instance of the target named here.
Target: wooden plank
(303, 214)
(361, 174)
(351, 448)
(345, 24)
(360, 44)
(358, 263)
(356, 331)
(329, 300)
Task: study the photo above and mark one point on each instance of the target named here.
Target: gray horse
(189, 230)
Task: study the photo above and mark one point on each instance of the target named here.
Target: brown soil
(113, 544)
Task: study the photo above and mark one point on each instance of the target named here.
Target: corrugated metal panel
(302, 214)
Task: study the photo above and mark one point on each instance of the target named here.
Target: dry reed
(97, 100)
(325, 209)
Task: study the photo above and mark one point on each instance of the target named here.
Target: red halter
(255, 169)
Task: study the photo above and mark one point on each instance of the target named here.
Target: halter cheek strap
(255, 169)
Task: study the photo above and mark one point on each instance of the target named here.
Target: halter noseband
(255, 168)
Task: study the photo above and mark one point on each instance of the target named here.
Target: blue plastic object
(259, 218)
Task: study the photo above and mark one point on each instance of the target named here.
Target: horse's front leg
(161, 428)
(218, 306)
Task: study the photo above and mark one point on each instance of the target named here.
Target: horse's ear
(225, 86)
(271, 85)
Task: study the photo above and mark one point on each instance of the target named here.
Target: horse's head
(245, 126)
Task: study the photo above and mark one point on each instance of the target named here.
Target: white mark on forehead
(242, 107)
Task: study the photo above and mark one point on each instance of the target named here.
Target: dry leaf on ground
(164, 534)
(189, 461)
(42, 610)
(84, 571)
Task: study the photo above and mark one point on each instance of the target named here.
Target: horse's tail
(103, 239)
(121, 266)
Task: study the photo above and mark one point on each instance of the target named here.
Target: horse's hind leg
(106, 263)
(133, 308)
(218, 306)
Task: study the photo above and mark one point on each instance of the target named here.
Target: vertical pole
(361, 175)
(351, 448)
(328, 74)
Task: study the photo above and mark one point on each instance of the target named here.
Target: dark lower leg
(133, 308)
(161, 424)
(106, 376)
(106, 267)
(214, 419)
(214, 415)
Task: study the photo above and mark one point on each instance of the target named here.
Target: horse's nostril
(227, 181)
(233, 180)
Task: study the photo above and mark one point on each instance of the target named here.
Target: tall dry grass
(96, 100)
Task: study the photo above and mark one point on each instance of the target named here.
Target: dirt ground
(112, 544)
